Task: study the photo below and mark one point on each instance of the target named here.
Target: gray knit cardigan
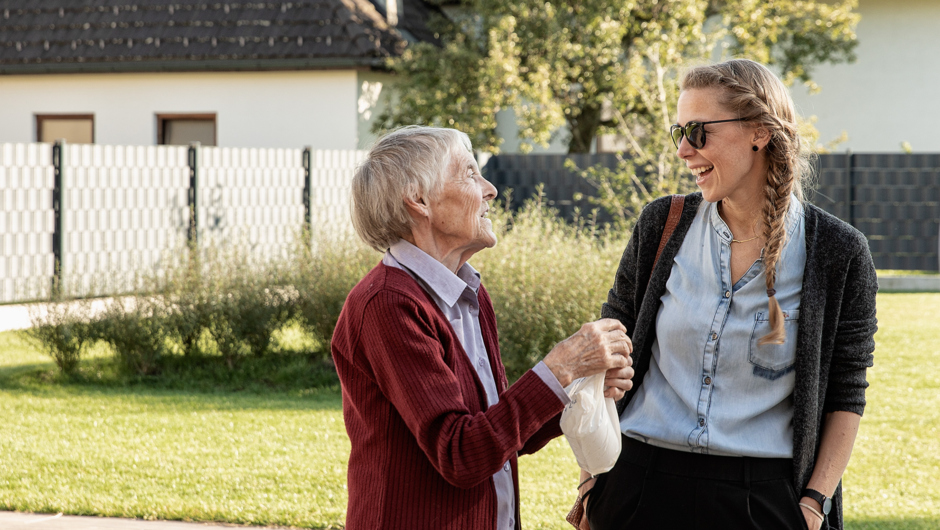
(837, 320)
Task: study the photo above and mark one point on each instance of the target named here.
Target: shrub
(188, 299)
(237, 300)
(136, 329)
(546, 278)
(322, 278)
(62, 329)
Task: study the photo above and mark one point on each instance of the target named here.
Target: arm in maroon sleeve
(407, 347)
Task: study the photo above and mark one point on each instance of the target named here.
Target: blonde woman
(752, 334)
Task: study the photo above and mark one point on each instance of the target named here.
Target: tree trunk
(583, 129)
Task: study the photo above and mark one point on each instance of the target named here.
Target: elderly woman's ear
(417, 207)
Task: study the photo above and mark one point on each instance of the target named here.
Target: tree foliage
(598, 66)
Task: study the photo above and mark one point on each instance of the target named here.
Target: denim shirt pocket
(773, 361)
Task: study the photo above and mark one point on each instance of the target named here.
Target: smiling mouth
(696, 171)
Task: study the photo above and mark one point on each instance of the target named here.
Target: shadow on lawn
(293, 380)
(28, 379)
(913, 523)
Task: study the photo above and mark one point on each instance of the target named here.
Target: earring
(755, 148)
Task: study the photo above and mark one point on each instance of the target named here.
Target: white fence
(106, 213)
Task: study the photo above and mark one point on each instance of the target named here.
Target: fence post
(58, 208)
(308, 175)
(192, 236)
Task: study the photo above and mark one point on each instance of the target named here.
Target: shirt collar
(794, 214)
(444, 283)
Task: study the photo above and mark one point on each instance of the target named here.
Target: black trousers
(651, 487)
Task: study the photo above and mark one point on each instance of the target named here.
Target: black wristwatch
(823, 501)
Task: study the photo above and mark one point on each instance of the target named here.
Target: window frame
(40, 118)
(194, 116)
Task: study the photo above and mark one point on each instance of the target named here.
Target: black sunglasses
(694, 131)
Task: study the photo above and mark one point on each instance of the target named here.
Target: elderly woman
(435, 429)
(753, 331)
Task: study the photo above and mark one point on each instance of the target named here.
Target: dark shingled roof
(40, 36)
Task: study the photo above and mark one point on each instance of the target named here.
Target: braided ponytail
(756, 94)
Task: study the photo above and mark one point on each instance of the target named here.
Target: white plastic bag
(591, 425)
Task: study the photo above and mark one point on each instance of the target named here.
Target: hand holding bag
(591, 425)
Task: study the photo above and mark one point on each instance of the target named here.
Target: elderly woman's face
(458, 212)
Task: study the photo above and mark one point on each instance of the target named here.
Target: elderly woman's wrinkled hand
(600, 346)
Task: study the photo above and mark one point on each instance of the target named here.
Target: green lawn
(279, 458)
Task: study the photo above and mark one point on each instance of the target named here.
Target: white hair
(407, 162)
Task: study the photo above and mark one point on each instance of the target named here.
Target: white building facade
(325, 109)
(890, 94)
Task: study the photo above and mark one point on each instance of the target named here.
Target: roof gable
(146, 35)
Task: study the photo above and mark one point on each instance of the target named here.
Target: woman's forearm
(838, 438)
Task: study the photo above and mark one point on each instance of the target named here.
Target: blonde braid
(777, 193)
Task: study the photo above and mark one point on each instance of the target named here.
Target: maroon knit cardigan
(424, 444)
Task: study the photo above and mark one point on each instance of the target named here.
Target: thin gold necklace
(733, 240)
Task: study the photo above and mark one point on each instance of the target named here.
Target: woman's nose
(489, 190)
(685, 150)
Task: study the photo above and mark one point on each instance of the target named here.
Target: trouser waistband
(698, 465)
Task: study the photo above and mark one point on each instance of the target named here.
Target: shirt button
(506, 466)
(708, 380)
(727, 294)
(481, 362)
(714, 336)
(701, 422)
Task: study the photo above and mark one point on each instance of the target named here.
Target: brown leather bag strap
(675, 212)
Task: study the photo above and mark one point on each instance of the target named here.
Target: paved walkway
(37, 521)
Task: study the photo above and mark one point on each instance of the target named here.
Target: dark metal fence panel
(894, 199)
(524, 173)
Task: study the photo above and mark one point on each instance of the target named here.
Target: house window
(73, 128)
(183, 129)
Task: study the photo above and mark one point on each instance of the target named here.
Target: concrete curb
(39, 521)
(918, 284)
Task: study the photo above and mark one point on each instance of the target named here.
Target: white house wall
(889, 95)
(253, 109)
(373, 87)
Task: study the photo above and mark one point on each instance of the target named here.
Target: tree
(589, 64)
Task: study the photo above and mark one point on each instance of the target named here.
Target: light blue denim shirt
(456, 296)
(710, 387)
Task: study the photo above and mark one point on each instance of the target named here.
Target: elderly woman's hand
(597, 347)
